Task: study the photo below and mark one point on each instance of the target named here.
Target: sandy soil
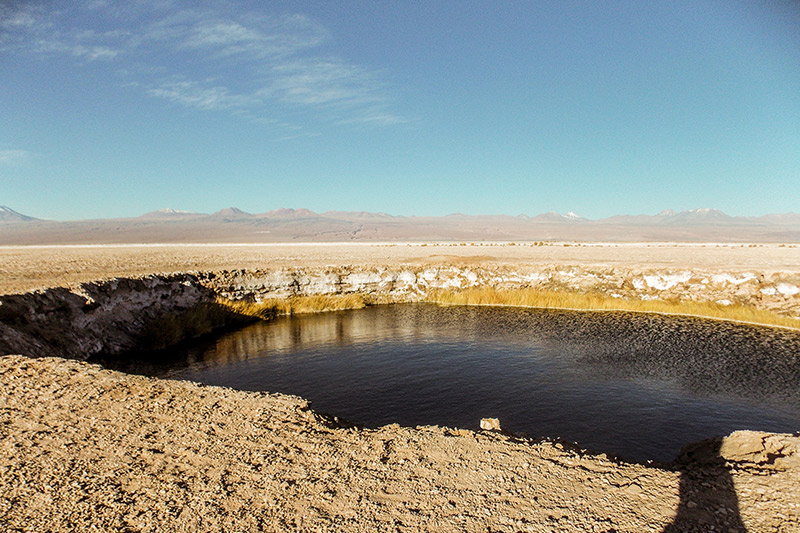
(27, 268)
(83, 448)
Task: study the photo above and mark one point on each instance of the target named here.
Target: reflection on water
(640, 386)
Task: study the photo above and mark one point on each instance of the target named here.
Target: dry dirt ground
(82, 448)
(26, 268)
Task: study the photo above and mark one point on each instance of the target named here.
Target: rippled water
(640, 386)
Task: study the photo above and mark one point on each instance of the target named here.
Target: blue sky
(411, 108)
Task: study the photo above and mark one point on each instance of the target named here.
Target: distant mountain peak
(550, 216)
(231, 212)
(699, 214)
(703, 216)
(555, 216)
(9, 215)
(703, 212)
(302, 225)
(285, 212)
(706, 211)
(356, 215)
(168, 213)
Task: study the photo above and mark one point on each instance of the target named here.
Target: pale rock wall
(109, 317)
(103, 317)
(778, 292)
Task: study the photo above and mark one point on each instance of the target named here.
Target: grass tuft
(204, 318)
(223, 313)
(294, 305)
(601, 302)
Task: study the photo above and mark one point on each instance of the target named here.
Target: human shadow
(708, 500)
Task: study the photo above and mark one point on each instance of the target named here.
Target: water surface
(639, 386)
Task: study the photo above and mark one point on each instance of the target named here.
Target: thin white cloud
(322, 81)
(257, 36)
(14, 157)
(272, 65)
(17, 20)
(252, 38)
(193, 94)
(277, 53)
(293, 137)
(89, 52)
(34, 30)
(222, 34)
(379, 117)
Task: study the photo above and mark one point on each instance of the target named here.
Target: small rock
(490, 424)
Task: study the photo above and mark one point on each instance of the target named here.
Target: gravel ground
(83, 448)
(87, 449)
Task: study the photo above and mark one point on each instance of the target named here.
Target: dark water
(639, 386)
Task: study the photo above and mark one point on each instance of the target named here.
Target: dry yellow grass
(223, 313)
(205, 318)
(294, 305)
(601, 302)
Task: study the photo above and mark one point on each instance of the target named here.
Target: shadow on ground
(708, 500)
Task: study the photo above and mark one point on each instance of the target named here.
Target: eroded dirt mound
(83, 446)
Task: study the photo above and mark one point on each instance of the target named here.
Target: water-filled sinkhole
(636, 385)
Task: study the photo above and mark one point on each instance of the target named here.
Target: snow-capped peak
(8, 214)
(707, 212)
(572, 215)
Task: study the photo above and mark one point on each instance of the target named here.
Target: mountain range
(302, 225)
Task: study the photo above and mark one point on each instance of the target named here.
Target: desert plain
(24, 268)
(85, 448)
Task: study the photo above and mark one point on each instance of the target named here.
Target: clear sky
(412, 108)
